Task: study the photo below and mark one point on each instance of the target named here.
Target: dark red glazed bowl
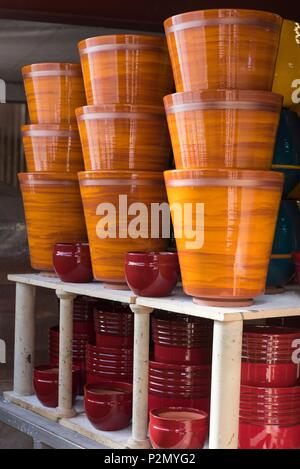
(178, 428)
(151, 274)
(108, 405)
(72, 262)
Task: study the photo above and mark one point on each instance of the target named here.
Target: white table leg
(65, 408)
(24, 339)
(139, 437)
(225, 385)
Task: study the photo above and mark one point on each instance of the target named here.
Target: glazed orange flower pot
(124, 137)
(52, 147)
(126, 69)
(287, 69)
(53, 212)
(108, 198)
(221, 49)
(53, 92)
(224, 222)
(223, 128)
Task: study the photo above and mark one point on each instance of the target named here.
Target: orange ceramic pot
(224, 223)
(221, 49)
(124, 137)
(52, 147)
(53, 212)
(53, 91)
(112, 200)
(126, 69)
(223, 128)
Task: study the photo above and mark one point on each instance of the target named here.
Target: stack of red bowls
(179, 375)
(108, 364)
(268, 356)
(179, 385)
(83, 333)
(269, 418)
(114, 325)
(270, 397)
(80, 341)
(181, 339)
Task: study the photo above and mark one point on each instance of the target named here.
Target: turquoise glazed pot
(287, 147)
(286, 240)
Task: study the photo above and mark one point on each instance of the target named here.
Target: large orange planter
(221, 49)
(226, 264)
(223, 128)
(124, 137)
(53, 212)
(52, 147)
(126, 69)
(53, 91)
(105, 187)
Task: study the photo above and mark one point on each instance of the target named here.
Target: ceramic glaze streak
(124, 137)
(239, 225)
(53, 212)
(52, 148)
(209, 129)
(226, 48)
(108, 254)
(126, 68)
(53, 92)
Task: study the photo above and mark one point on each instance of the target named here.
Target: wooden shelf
(266, 306)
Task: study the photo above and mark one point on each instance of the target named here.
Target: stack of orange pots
(223, 122)
(125, 145)
(50, 189)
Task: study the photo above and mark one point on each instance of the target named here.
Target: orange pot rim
(51, 68)
(87, 46)
(47, 176)
(120, 175)
(223, 177)
(216, 16)
(118, 111)
(222, 99)
(50, 130)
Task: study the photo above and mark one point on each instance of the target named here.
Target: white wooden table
(226, 363)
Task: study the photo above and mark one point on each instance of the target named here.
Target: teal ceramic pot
(287, 147)
(291, 187)
(286, 240)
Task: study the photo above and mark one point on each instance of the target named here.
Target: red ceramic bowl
(270, 332)
(151, 274)
(100, 378)
(268, 436)
(181, 381)
(263, 392)
(158, 401)
(104, 340)
(182, 355)
(72, 262)
(83, 327)
(110, 366)
(108, 350)
(45, 383)
(178, 428)
(261, 374)
(108, 406)
(179, 369)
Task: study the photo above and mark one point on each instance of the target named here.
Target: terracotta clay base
(222, 302)
(116, 286)
(48, 274)
(274, 290)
